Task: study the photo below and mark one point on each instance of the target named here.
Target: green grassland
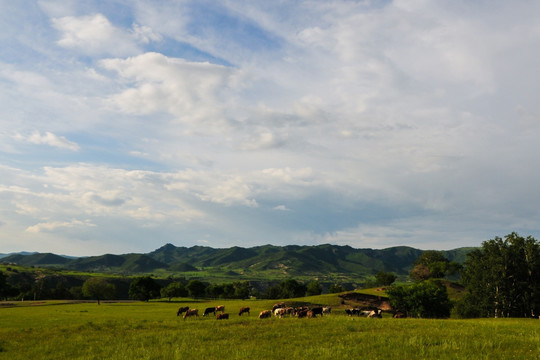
(137, 330)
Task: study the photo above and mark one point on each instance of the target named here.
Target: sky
(129, 124)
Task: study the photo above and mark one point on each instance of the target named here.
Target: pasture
(137, 330)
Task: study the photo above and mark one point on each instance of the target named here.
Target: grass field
(56, 330)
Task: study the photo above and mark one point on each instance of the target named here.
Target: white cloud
(50, 139)
(58, 225)
(96, 35)
(192, 92)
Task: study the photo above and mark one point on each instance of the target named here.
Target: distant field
(135, 330)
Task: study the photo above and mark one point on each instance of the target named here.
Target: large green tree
(144, 288)
(99, 289)
(503, 278)
(174, 289)
(196, 288)
(425, 299)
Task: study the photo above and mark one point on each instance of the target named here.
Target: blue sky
(125, 125)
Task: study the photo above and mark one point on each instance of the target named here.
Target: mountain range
(290, 260)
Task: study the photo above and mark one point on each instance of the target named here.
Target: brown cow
(278, 306)
(191, 312)
(265, 314)
(222, 316)
(182, 310)
(243, 310)
(220, 308)
(302, 313)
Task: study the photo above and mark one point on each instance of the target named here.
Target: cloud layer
(369, 123)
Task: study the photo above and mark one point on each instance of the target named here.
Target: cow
(220, 308)
(300, 309)
(209, 310)
(191, 312)
(352, 312)
(278, 306)
(243, 310)
(327, 310)
(182, 310)
(399, 315)
(365, 313)
(281, 312)
(375, 313)
(265, 314)
(222, 316)
(317, 311)
(302, 313)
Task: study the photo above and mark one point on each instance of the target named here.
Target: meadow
(138, 330)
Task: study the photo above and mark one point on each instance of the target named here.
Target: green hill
(267, 261)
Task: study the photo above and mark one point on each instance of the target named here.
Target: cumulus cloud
(96, 35)
(190, 91)
(50, 139)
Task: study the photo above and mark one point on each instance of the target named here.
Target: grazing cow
(317, 311)
(220, 308)
(365, 313)
(265, 314)
(222, 316)
(289, 310)
(300, 309)
(352, 312)
(182, 310)
(243, 310)
(209, 310)
(375, 314)
(191, 312)
(327, 310)
(278, 306)
(399, 315)
(302, 313)
(281, 312)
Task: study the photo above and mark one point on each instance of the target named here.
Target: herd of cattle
(278, 310)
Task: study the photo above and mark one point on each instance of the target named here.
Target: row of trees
(501, 279)
(146, 288)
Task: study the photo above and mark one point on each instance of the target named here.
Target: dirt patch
(365, 301)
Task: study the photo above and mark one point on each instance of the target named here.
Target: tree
(335, 288)
(99, 289)
(174, 289)
(383, 278)
(291, 288)
(196, 288)
(144, 288)
(502, 278)
(420, 272)
(430, 264)
(313, 288)
(5, 288)
(426, 299)
(242, 289)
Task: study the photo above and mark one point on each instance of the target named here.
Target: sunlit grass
(153, 331)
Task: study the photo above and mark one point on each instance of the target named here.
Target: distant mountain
(291, 260)
(17, 253)
(40, 259)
